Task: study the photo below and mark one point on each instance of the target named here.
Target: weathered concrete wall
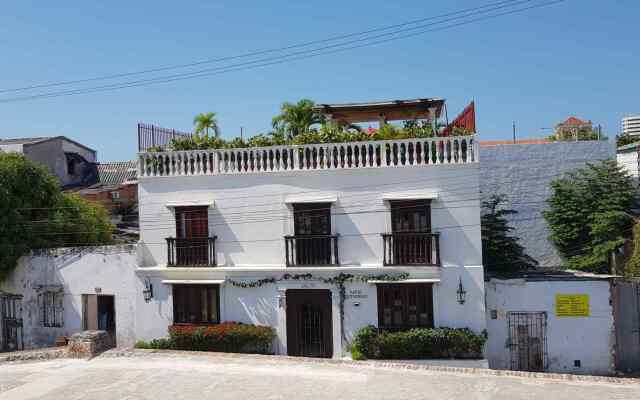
(51, 153)
(109, 270)
(523, 172)
(588, 339)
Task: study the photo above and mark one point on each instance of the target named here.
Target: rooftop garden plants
(325, 134)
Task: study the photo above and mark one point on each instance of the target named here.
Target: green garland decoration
(339, 280)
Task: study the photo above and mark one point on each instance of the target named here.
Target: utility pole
(514, 132)
(241, 132)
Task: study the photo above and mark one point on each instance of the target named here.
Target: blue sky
(579, 57)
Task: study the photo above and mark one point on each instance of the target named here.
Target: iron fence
(151, 136)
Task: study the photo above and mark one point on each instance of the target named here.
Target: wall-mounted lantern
(147, 292)
(462, 294)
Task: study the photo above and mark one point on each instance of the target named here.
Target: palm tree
(206, 121)
(295, 119)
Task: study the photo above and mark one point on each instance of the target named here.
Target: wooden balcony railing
(191, 252)
(411, 248)
(311, 250)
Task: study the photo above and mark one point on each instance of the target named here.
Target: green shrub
(369, 342)
(162, 343)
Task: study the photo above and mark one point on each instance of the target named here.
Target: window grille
(51, 308)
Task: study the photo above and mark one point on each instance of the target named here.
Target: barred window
(51, 308)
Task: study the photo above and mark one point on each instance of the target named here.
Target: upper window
(192, 222)
(115, 196)
(51, 309)
(312, 219)
(411, 216)
(196, 304)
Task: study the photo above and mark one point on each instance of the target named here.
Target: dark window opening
(312, 219)
(71, 166)
(196, 304)
(312, 243)
(411, 216)
(405, 306)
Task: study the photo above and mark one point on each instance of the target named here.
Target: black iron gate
(528, 340)
(11, 322)
(626, 311)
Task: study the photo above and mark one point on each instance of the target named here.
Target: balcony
(411, 248)
(311, 250)
(191, 252)
(328, 156)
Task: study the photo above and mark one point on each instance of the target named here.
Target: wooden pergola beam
(394, 110)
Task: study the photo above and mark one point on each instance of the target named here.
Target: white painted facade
(588, 340)
(108, 270)
(627, 158)
(251, 212)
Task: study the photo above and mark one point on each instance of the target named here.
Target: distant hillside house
(573, 128)
(73, 163)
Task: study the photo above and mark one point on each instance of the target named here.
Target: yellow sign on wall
(572, 305)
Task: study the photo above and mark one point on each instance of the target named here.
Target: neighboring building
(631, 125)
(563, 321)
(523, 173)
(116, 188)
(572, 129)
(296, 217)
(64, 291)
(627, 157)
(73, 163)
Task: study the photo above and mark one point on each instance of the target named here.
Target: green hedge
(231, 337)
(369, 342)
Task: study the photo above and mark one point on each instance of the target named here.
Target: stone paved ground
(188, 376)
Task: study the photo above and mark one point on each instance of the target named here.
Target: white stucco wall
(628, 159)
(588, 339)
(80, 271)
(260, 305)
(523, 172)
(250, 216)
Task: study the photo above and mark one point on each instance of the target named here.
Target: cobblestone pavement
(188, 376)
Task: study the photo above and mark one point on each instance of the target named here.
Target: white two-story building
(316, 241)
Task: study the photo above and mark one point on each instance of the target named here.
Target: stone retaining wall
(89, 344)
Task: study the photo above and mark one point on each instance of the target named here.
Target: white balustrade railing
(370, 154)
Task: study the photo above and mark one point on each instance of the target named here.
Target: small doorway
(626, 313)
(528, 341)
(309, 325)
(11, 338)
(98, 312)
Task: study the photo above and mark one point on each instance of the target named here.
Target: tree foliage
(34, 213)
(295, 119)
(501, 251)
(590, 214)
(623, 140)
(205, 121)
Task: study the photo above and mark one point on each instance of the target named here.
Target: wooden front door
(309, 326)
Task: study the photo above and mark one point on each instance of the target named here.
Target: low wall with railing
(373, 154)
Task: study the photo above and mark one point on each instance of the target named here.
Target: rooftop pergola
(382, 111)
